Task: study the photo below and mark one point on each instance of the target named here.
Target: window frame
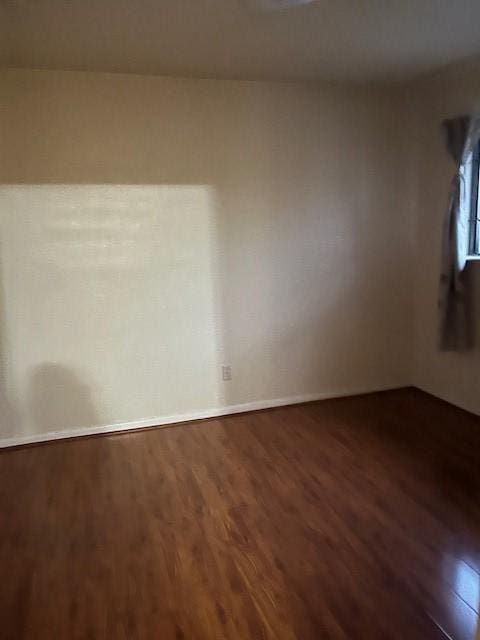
(474, 218)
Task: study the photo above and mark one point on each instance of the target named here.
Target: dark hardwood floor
(350, 518)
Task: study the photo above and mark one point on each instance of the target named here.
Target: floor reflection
(456, 611)
(467, 584)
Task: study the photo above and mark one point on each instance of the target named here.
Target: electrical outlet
(226, 372)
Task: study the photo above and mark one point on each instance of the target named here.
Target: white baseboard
(186, 417)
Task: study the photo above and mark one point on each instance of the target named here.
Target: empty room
(239, 320)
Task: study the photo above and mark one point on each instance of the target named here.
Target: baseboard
(166, 421)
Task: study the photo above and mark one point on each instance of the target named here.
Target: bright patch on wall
(110, 303)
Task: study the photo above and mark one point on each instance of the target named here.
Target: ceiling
(353, 40)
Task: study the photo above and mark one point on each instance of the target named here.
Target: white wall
(153, 229)
(451, 376)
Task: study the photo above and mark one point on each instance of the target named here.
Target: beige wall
(451, 376)
(153, 229)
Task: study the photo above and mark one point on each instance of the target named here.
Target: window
(474, 218)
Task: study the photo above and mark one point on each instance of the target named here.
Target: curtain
(454, 296)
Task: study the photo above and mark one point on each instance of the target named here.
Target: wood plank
(350, 518)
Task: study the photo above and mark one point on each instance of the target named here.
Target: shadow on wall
(59, 399)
